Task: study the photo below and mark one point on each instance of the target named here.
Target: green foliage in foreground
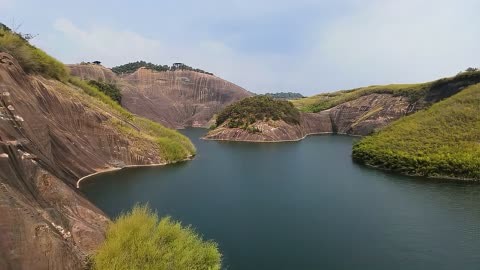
(138, 240)
(30, 58)
(247, 111)
(109, 89)
(414, 92)
(443, 140)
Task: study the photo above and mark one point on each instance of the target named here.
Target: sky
(301, 46)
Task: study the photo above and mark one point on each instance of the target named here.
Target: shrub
(247, 111)
(108, 89)
(138, 240)
(30, 58)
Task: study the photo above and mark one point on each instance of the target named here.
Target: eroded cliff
(51, 134)
(176, 99)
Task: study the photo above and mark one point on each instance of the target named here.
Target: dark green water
(305, 205)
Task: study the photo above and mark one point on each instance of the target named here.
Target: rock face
(176, 99)
(49, 137)
(364, 115)
(275, 131)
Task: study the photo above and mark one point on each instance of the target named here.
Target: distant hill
(285, 95)
(175, 96)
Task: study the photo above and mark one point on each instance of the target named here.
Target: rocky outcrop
(176, 99)
(93, 72)
(50, 136)
(366, 114)
(275, 131)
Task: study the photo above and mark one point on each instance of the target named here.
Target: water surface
(304, 205)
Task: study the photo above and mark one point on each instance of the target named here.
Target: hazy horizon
(269, 46)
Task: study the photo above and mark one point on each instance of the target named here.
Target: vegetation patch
(95, 92)
(285, 95)
(134, 66)
(257, 108)
(139, 240)
(442, 141)
(108, 89)
(414, 92)
(30, 58)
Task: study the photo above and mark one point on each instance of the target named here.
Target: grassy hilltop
(442, 141)
(413, 92)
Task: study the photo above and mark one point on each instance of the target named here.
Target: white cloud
(400, 41)
(370, 42)
(105, 44)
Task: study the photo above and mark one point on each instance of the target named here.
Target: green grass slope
(442, 141)
(440, 89)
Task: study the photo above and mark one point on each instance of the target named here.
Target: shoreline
(113, 169)
(280, 141)
(439, 178)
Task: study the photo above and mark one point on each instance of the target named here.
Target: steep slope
(177, 99)
(442, 141)
(51, 134)
(354, 112)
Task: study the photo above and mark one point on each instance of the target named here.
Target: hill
(424, 94)
(265, 119)
(442, 141)
(358, 111)
(176, 98)
(55, 129)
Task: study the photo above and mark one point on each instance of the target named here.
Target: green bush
(138, 240)
(247, 111)
(442, 141)
(30, 58)
(108, 89)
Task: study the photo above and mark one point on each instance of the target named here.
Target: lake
(304, 205)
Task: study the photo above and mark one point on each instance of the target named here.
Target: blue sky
(305, 46)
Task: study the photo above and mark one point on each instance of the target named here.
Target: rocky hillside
(51, 134)
(177, 99)
(354, 112)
